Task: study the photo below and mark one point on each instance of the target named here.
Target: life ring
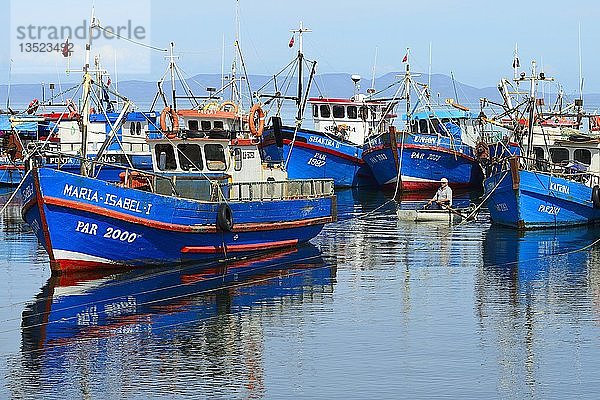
(168, 111)
(226, 104)
(596, 196)
(33, 106)
(256, 112)
(224, 217)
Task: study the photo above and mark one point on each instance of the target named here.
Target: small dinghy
(449, 215)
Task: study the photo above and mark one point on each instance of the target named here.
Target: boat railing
(278, 190)
(559, 170)
(203, 189)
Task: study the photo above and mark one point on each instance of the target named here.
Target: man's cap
(444, 180)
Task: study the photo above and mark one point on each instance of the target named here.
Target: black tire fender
(224, 217)
(596, 196)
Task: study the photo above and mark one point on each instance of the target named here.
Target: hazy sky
(474, 39)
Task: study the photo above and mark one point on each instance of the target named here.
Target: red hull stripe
(235, 248)
(66, 265)
(12, 167)
(74, 205)
(324, 150)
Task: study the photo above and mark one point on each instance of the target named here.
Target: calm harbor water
(373, 308)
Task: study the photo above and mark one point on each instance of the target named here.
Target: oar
(452, 210)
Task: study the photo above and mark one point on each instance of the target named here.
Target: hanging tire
(224, 217)
(596, 196)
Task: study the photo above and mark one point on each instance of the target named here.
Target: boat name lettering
(91, 228)
(88, 317)
(248, 154)
(108, 199)
(434, 157)
(318, 160)
(121, 307)
(87, 227)
(501, 207)
(80, 193)
(60, 160)
(425, 139)
(125, 203)
(117, 234)
(323, 141)
(548, 209)
(557, 187)
(417, 155)
(27, 192)
(377, 158)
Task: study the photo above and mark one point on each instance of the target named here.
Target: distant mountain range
(328, 85)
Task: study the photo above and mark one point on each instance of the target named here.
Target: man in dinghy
(443, 196)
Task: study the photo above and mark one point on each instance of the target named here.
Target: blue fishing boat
(115, 146)
(96, 305)
(333, 149)
(437, 142)
(550, 176)
(210, 196)
(201, 206)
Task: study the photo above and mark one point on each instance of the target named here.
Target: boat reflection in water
(537, 300)
(203, 319)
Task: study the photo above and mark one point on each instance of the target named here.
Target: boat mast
(300, 31)
(172, 68)
(85, 114)
(407, 85)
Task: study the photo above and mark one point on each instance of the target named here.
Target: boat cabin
(130, 138)
(458, 124)
(213, 120)
(236, 160)
(351, 119)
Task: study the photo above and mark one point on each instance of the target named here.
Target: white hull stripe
(411, 179)
(73, 255)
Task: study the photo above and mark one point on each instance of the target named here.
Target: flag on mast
(291, 44)
(65, 49)
(405, 59)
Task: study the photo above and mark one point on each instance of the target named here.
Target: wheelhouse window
(538, 153)
(363, 112)
(218, 125)
(132, 128)
(338, 112)
(165, 157)
(215, 157)
(193, 125)
(325, 111)
(583, 156)
(559, 155)
(315, 110)
(138, 128)
(190, 157)
(205, 125)
(352, 112)
(424, 126)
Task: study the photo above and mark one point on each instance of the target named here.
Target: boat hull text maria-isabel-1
(86, 223)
